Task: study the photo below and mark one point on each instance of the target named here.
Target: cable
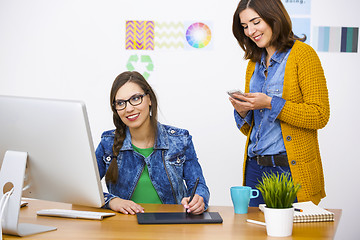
(3, 203)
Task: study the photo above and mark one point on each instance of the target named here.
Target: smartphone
(236, 91)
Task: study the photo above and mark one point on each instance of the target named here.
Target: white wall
(73, 49)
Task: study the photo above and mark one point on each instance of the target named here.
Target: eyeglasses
(134, 101)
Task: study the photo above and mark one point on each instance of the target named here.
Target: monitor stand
(12, 174)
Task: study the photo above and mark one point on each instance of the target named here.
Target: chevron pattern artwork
(169, 35)
(139, 35)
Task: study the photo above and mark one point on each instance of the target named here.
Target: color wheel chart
(198, 35)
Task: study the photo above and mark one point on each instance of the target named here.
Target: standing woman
(144, 161)
(285, 101)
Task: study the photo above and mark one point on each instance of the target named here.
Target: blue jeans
(254, 173)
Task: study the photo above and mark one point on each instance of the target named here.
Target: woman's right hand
(239, 106)
(125, 206)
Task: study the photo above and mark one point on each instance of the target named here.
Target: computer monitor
(61, 163)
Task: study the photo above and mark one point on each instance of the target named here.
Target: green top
(144, 191)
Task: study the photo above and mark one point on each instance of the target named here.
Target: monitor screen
(61, 164)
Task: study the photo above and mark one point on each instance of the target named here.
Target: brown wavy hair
(275, 15)
(120, 131)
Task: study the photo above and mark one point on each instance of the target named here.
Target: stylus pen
(194, 190)
(256, 222)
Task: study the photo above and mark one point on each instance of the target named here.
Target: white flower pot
(279, 221)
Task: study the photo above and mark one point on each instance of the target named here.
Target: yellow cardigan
(305, 111)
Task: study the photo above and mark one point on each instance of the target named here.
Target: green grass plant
(278, 190)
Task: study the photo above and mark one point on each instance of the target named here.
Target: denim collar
(276, 57)
(162, 141)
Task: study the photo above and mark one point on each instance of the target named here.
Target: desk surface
(122, 226)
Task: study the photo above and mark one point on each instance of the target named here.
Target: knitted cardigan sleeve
(305, 91)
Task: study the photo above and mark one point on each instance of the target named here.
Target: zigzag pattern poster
(169, 35)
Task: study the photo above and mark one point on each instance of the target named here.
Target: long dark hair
(275, 15)
(120, 131)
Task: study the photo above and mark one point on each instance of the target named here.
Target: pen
(256, 222)
(298, 210)
(194, 190)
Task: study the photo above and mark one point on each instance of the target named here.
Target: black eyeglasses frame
(128, 100)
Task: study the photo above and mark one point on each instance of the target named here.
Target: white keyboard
(67, 213)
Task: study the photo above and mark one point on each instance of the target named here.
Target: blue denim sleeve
(241, 121)
(99, 153)
(107, 198)
(277, 104)
(193, 171)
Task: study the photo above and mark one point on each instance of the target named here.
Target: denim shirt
(266, 137)
(172, 161)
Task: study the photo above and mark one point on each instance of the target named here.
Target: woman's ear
(149, 100)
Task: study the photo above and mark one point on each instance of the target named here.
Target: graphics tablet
(177, 218)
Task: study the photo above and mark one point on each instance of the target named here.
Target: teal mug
(240, 197)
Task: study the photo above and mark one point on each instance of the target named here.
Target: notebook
(310, 213)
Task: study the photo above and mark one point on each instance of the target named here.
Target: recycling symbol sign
(142, 64)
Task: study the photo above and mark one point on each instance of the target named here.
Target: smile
(133, 117)
(257, 38)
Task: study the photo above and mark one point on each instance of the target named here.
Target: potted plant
(279, 193)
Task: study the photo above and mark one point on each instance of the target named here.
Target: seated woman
(144, 161)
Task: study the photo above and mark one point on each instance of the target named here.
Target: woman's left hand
(196, 206)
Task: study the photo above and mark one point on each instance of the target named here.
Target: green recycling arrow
(144, 60)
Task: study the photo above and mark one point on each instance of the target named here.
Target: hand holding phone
(236, 91)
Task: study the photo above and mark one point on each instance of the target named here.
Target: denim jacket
(172, 161)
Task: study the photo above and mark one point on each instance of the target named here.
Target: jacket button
(288, 138)
(108, 158)
(172, 131)
(293, 162)
(178, 160)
